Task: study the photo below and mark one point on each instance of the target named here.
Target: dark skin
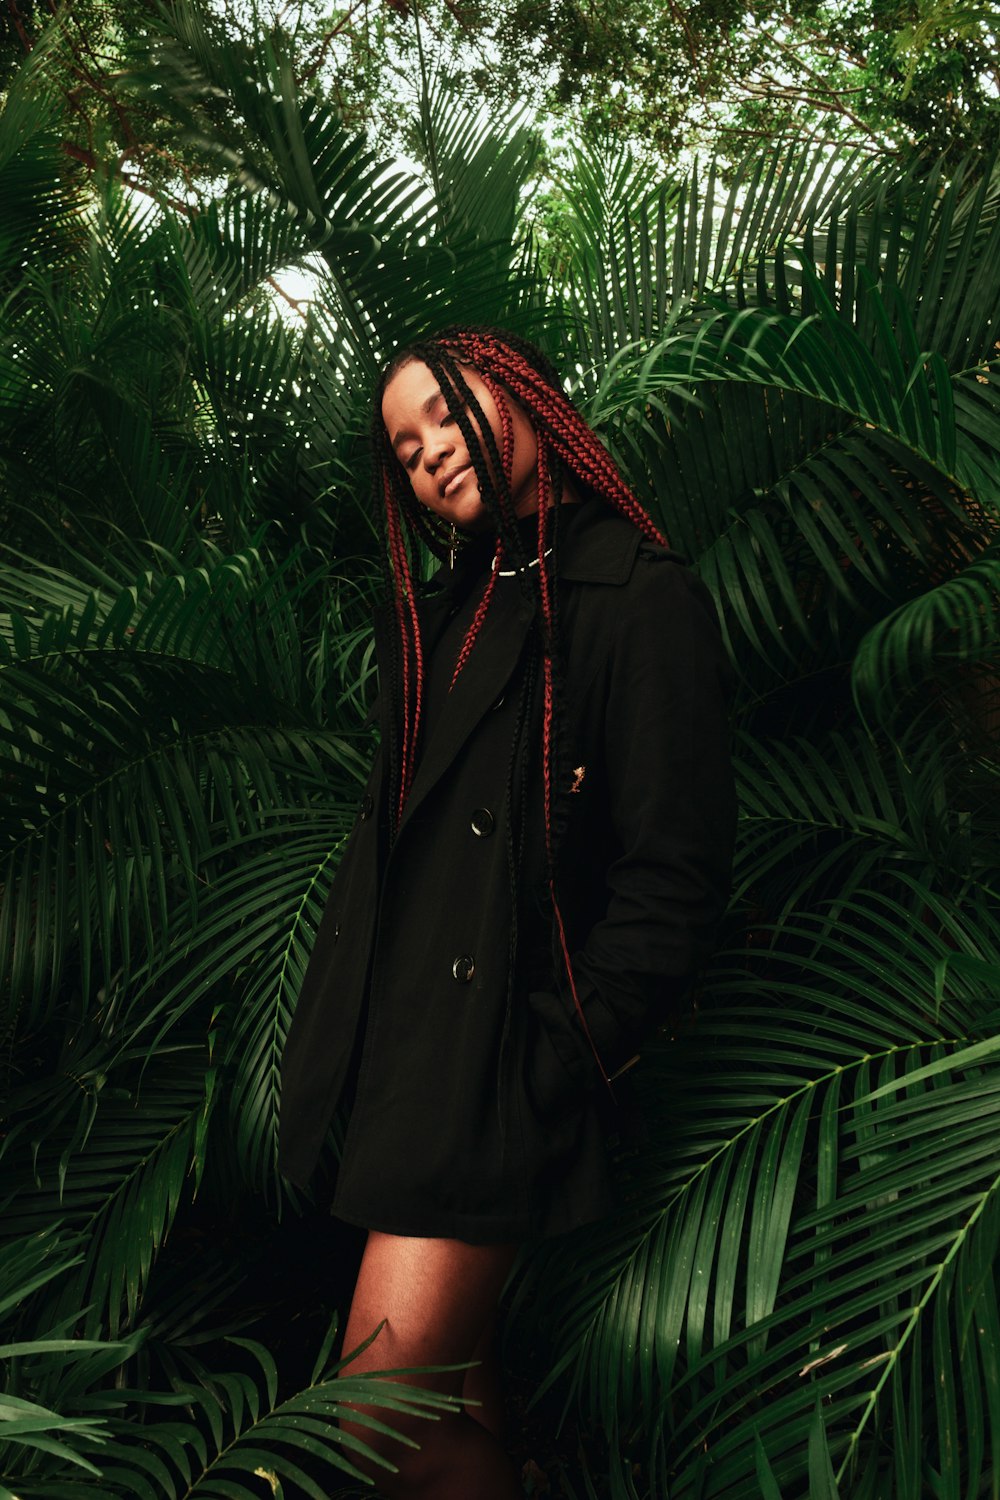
(438, 1298)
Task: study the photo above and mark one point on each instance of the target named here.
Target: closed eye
(410, 463)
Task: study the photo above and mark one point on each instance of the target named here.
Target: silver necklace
(513, 572)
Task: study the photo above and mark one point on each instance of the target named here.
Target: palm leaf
(374, 225)
(247, 953)
(710, 1291)
(28, 1426)
(130, 738)
(237, 1429)
(43, 200)
(477, 166)
(111, 1160)
(953, 624)
(712, 453)
(821, 818)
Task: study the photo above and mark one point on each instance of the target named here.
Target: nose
(437, 448)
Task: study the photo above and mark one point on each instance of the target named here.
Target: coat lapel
(493, 660)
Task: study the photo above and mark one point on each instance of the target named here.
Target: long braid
(402, 655)
(411, 649)
(479, 616)
(506, 465)
(549, 747)
(506, 428)
(514, 791)
(544, 583)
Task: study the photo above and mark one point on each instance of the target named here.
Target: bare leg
(438, 1299)
(482, 1390)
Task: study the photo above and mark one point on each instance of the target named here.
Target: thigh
(437, 1298)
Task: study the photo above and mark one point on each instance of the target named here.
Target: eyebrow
(425, 408)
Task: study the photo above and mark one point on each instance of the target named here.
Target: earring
(452, 544)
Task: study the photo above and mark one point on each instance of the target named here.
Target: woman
(538, 863)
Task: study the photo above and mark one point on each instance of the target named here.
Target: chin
(473, 519)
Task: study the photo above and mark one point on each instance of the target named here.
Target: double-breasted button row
(367, 806)
(463, 968)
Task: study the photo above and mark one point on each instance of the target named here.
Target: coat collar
(600, 546)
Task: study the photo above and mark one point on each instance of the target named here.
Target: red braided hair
(411, 652)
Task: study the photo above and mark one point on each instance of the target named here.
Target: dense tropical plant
(799, 371)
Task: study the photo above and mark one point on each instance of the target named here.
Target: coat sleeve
(672, 804)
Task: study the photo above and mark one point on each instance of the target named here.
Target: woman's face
(427, 441)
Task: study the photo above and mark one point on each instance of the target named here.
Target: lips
(452, 479)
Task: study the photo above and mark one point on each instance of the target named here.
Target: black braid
(392, 689)
(522, 732)
(516, 794)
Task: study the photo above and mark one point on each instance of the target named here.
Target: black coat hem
(471, 1228)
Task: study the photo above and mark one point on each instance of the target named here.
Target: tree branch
(325, 43)
(296, 303)
(89, 159)
(19, 26)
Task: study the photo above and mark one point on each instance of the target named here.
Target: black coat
(476, 1100)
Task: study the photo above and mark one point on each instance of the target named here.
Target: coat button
(498, 703)
(367, 806)
(483, 822)
(463, 967)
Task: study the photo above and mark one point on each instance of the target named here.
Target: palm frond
(249, 956)
(477, 166)
(819, 356)
(236, 1429)
(233, 246)
(28, 1426)
(951, 626)
(111, 1157)
(723, 1281)
(823, 817)
(130, 740)
(43, 199)
(296, 876)
(374, 225)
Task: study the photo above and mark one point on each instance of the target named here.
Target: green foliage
(663, 79)
(797, 364)
(206, 1436)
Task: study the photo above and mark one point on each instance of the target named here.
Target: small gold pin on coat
(579, 772)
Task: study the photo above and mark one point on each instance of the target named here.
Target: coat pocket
(564, 1051)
